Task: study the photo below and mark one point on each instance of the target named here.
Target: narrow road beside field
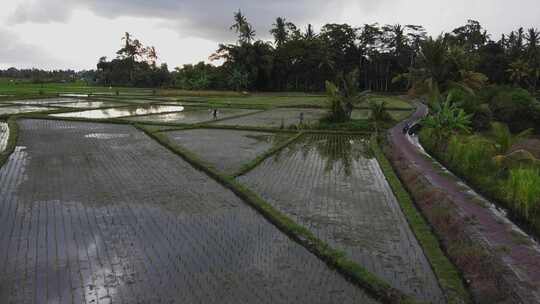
(492, 229)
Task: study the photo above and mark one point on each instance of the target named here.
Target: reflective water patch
(23, 109)
(121, 112)
(194, 115)
(4, 135)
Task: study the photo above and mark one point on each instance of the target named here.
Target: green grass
(18, 87)
(334, 258)
(448, 276)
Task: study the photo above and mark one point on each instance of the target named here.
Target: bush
(515, 107)
(523, 190)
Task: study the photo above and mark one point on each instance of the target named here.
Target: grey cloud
(14, 52)
(198, 18)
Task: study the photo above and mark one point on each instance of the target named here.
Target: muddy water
(276, 118)
(98, 213)
(4, 136)
(121, 112)
(195, 115)
(227, 150)
(331, 185)
(23, 109)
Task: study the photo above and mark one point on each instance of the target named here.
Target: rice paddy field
(98, 204)
(331, 185)
(4, 135)
(191, 116)
(276, 118)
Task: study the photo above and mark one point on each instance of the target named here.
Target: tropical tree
(518, 71)
(447, 120)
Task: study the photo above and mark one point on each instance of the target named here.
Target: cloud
(206, 19)
(15, 52)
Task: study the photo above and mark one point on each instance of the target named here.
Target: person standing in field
(214, 114)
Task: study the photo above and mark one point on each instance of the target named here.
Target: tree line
(385, 57)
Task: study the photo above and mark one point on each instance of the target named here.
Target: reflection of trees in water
(337, 151)
(272, 139)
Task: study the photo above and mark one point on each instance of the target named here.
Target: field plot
(227, 150)
(23, 109)
(121, 112)
(45, 101)
(88, 104)
(330, 185)
(194, 115)
(4, 135)
(275, 118)
(100, 213)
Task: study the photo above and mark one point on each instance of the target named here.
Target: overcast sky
(75, 33)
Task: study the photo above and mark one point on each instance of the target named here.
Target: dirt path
(521, 255)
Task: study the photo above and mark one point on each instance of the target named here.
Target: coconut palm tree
(519, 70)
(279, 31)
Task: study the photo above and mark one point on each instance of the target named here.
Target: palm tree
(241, 26)
(280, 31)
(519, 70)
(310, 33)
(152, 55)
(378, 113)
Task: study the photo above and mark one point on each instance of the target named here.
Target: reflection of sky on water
(121, 112)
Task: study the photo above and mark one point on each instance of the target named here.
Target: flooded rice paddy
(101, 213)
(44, 101)
(4, 136)
(194, 115)
(276, 118)
(88, 104)
(332, 186)
(10, 110)
(226, 150)
(121, 112)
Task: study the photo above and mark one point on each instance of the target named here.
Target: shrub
(514, 107)
(523, 189)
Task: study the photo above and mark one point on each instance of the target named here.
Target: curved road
(493, 228)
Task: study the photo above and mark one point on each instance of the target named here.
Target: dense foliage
(511, 176)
